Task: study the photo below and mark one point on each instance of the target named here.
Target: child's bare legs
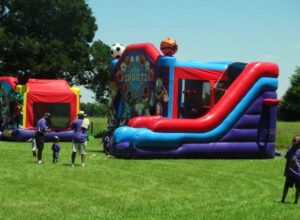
(82, 159)
(297, 195)
(284, 193)
(55, 159)
(73, 157)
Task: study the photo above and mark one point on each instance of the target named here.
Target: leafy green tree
(97, 77)
(95, 109)
(289, 108)
(50, 38)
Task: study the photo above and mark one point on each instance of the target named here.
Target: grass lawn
(139, 189)
(285, 133)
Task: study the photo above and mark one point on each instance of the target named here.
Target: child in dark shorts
(292, 169)
(55, 149)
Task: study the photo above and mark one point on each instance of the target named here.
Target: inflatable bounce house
(161, 107)
(22, 105)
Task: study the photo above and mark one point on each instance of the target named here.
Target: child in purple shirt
(55, 149)
(292, 169)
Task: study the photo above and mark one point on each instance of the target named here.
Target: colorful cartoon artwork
(161, 96)
(146, 101)
(113, 91)
(142, 92)
(7, 106)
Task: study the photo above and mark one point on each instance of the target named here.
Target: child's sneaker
(82, 165)
(107, 157)
(40, 162)
(72, 165)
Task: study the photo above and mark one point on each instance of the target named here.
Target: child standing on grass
(292, 169)
(105, 142)
(55, 149)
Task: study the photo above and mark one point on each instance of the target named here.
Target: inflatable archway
(23, 105)
(164, 108)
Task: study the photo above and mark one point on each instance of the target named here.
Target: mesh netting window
(60, 113)
(193, 98)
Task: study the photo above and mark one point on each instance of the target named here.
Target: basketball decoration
(168, 46)
(127, 60)
(125, 88)
(120, 76)
(142, 59)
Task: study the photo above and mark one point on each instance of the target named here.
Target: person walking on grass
(292, 169)
(79, 142)
(42, 127)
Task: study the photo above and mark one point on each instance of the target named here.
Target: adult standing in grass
(42, 127)
(292, 169)
(79, 142)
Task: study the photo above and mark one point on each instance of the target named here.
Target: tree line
(289, 108)
(94, 109)
(53, 39)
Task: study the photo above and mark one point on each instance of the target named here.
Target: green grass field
(285, 133)
(141, 189)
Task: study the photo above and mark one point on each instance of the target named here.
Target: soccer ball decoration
(116, 50)
(168, 46)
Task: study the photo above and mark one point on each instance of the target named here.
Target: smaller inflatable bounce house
(165, 108)
(23, 105)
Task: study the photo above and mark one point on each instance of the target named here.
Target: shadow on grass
(69, 165)
(285, 203)
(95, 151)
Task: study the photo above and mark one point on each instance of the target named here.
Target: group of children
(55, 148)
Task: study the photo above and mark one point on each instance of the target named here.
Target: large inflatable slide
(23, 104)
(161, 107)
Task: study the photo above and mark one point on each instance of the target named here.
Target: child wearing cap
(292, 169)
(55, 149)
